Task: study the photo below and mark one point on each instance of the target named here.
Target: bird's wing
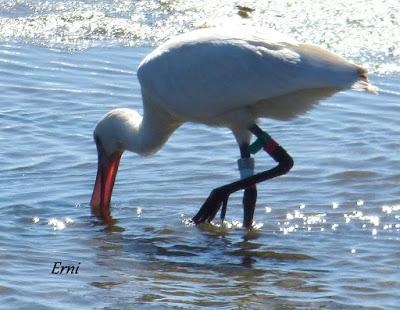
(211, 75)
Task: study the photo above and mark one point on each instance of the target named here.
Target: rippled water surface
(327, 235)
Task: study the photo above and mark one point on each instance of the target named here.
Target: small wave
(74, 30)
(270, 254)
(352, 174)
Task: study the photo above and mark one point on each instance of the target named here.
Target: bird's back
(209, 72)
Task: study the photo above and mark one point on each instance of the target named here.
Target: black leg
(250, 194)
(249, 205)
(220, 195)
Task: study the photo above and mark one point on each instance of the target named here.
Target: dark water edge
(327, 233)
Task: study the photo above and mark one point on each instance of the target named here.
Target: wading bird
(228, 78)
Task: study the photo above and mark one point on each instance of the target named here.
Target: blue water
(327, 235)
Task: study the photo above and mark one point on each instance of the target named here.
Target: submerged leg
(219, 196)
(246, 169)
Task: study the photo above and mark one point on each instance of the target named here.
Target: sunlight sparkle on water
(59, 224)
(232, 224)
(298, 220)
(159, 258)
(316, 219)
(77, 25)
(372, 219)
(68, 220)
(389, 209)
(257, 225)
(187, 221)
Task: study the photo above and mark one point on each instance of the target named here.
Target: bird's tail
(363, 84)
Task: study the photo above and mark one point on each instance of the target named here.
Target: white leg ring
(246, 167)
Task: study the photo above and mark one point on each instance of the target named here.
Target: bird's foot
(217, 198)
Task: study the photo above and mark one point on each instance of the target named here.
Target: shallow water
(327, 234)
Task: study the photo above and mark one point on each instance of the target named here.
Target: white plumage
(228, 78)
(205, 73)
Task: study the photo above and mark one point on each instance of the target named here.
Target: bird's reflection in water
(205, 263)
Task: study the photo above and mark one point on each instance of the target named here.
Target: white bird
(228, 78)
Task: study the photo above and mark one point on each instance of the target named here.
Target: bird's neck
(152, 132)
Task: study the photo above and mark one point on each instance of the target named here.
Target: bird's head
(113, 134)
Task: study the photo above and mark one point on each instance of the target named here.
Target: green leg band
(258, 144)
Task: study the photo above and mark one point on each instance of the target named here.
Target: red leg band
(270, 146)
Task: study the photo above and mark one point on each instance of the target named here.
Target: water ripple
(366, 32)
(327, 233)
